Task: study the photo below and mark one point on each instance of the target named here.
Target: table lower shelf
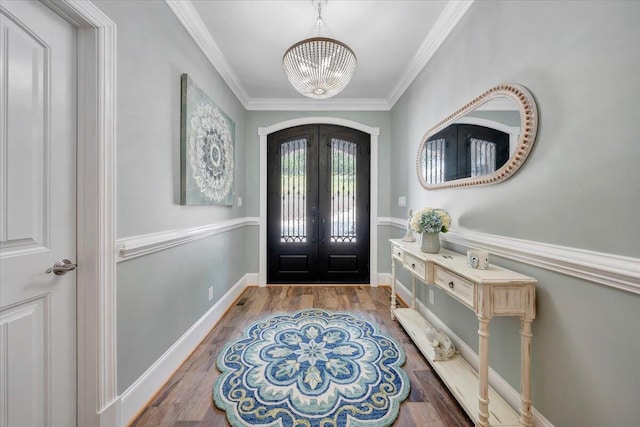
(456, 373)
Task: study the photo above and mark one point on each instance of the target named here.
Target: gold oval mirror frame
(522, 137)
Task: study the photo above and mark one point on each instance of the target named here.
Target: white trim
(192, 22)
(448, 19)
(96, 296)
(133, 247)
(308, 104)
(189, 18)
(392, 222)
(263, 132)
(514, 132)
(499, 384)
(616, 271)
(135, 398)
(611, 270)
(467, 120)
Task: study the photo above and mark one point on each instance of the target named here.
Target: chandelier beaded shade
(319, 67)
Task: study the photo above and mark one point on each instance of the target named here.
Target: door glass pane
(483, 157)
(293, 187)
(343, 191)
(433, 162)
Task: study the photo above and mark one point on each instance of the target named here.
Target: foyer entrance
(318, 223)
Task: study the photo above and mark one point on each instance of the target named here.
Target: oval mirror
(484, 142)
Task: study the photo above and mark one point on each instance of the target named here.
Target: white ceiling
(246, 39)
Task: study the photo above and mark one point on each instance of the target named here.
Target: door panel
(318, 205)
(292, 205)
(37, 216)
(462, 151)
(344, 200)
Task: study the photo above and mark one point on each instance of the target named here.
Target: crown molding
(192, 22)
(446, 22)
(308, 104)
(190, 19)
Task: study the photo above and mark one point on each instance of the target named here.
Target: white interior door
(37, 216)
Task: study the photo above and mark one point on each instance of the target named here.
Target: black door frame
(317, 258)
(263, 132)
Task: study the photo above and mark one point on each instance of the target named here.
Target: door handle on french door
(61, 267)
(314, 214)
(322, 232)
(314, 237)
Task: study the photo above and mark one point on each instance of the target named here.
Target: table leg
(413, 292)
(525, 372)
(483, 373)
(393, 288)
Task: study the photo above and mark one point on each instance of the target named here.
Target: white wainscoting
(615, 271)
(134, 399)
(502, 387)
(133, 247)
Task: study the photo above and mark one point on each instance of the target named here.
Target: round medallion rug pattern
(311, 368)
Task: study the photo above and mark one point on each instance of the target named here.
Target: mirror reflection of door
(318, 205)
(462, 151)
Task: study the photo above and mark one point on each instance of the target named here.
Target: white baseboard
(384, 279)
(499, 384)
(144, 388)
(252, 279)
(110, 416)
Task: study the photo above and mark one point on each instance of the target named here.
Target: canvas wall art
(207, 149)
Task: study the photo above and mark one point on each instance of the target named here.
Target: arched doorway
(374, 133)
(318, 205)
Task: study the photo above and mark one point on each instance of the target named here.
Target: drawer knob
(451, 285)
(413, 266)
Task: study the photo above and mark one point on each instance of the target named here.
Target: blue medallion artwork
(311, 368)
(206, 149)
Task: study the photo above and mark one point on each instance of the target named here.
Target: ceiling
(246, 39)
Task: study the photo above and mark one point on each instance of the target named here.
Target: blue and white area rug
(312, 368)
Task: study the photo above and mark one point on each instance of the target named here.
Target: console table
(488, 293)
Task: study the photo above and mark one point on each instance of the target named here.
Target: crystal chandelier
(319, 67)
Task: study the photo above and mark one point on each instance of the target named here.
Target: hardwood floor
(185, 400)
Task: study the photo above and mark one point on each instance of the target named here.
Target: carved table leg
(393, 288)
(525, 372)
(483, 373)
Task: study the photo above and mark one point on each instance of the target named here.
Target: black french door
(318, 205)
(464, 150)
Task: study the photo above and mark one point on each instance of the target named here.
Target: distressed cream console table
(488, 293)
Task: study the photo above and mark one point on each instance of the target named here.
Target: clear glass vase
(430, 243)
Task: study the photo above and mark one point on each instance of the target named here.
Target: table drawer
(397, 252)
(415, 266)
(455, 285)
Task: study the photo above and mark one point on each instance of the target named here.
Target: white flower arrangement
(430, 220)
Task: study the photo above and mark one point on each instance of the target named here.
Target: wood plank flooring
(185, 400)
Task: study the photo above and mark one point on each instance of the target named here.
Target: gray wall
(160, 296)
(579, 188)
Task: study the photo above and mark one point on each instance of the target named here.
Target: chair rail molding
(611, 270)
(132, 247)
(263, 132)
